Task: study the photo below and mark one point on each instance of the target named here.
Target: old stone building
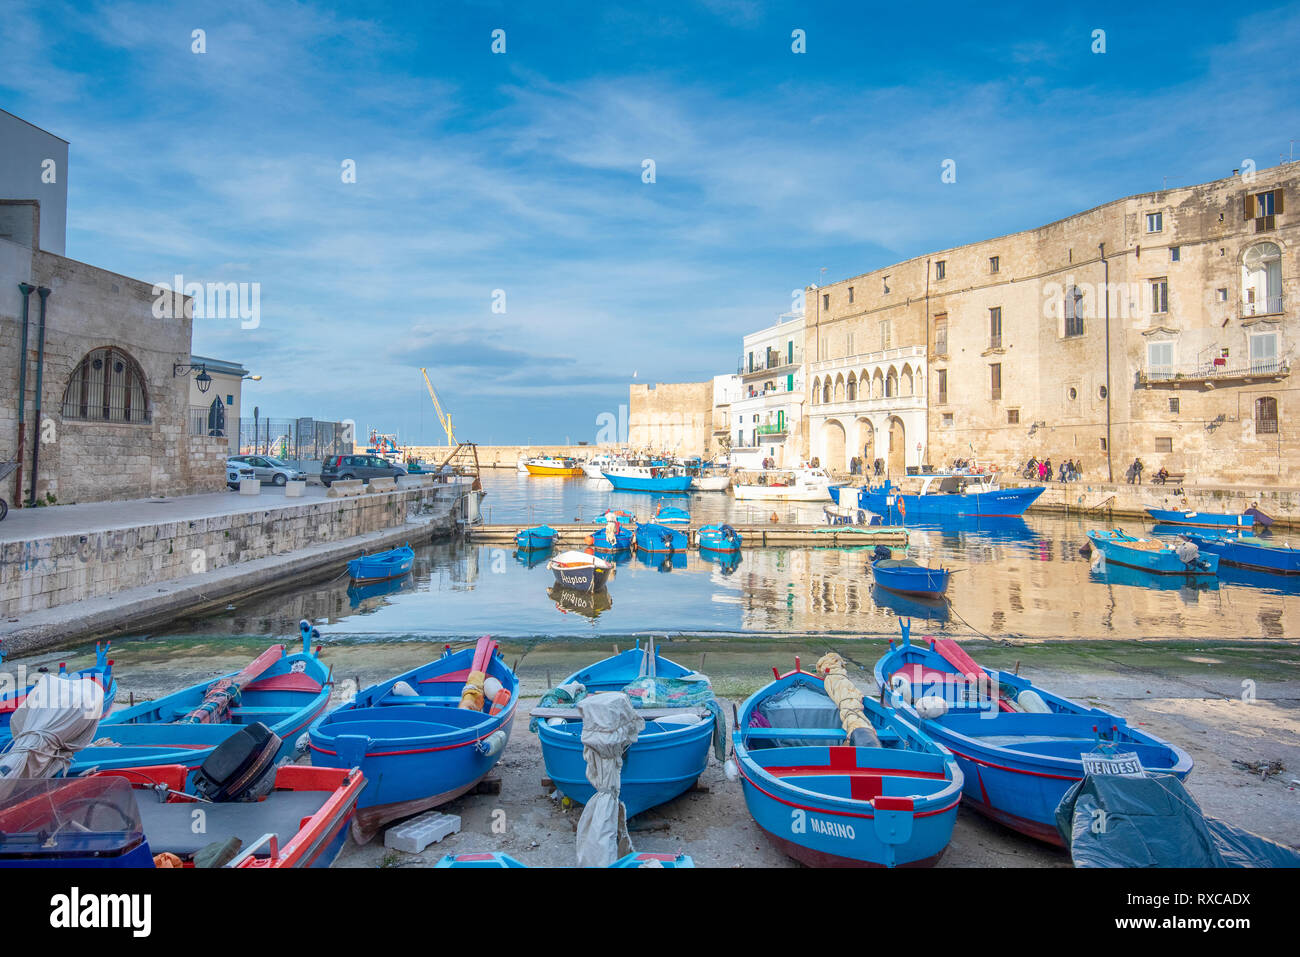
(1159, 326)
(671, 417)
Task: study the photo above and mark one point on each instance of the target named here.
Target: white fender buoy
(932, 706)
(403, 690)
(1032, 701)
(493, 743)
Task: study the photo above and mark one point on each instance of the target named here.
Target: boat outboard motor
(1187, 551)
(882, 553)
(241, 768)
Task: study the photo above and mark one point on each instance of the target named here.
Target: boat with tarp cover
(835, 779)
(423, 737)
(682, 721)
(1020, 747)
(101, 672)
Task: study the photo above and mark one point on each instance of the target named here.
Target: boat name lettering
(832, 828)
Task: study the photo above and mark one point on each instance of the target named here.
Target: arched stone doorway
(866, 446)
(834, 455)
(897, 448)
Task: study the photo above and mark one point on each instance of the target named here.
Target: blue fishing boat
(672, 515)
(647, 478)
(1250, 551)
(671, 751)
(1202, 519)
(537, 537)
(101, 672)
(286, 692)
(497, 859)
(656, 539)
(908, 577)
(1020, 747)
(620, 517)
(1152, 556)
(886, 796)
(651, 859)
(381, 566)
(718, 537)
(574, 569)
(603, 543)
(942, 495)
(423, 737)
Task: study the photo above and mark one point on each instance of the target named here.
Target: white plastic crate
(415, 835)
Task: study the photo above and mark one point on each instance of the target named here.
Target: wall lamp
(202, 380)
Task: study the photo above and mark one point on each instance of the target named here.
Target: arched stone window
(891, 383)
(816, 394)
(826, 390)
(1266, 415)
(851, 388)
(106, 386)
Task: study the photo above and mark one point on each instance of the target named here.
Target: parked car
(236, 470)
(268, 469)
(344, 467)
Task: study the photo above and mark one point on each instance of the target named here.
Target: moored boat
(909, 577)
(647, 478)
(381, 566)
(785, 485)
(574, 569)
(123, 818)
(611, 539)
(286, 692)
(423, 737)
(944, 495)
(1249, 551)
(655, 539)
(1202, 519)
(595, 466)
(682, 721)
(1151, 555)
(672, 515)
(842, 781)
(553, 467)
(1020, 747)
(718, 537)
(539, 536)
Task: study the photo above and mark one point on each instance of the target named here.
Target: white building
(767, 418)
(34, 165)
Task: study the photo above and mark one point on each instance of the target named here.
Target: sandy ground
(1219, 700)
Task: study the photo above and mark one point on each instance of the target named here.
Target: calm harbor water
(1013, 578)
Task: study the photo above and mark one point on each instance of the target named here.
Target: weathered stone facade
(671, 417)
(1196, 285)
(87, 454)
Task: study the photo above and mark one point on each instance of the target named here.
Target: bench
(382, 485)
(344, 488)
(1174, 478)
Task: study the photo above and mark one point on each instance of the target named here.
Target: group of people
(1069, 471)
(858, 466)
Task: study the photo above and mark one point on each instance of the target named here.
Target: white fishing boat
(710, 482)
(594, 468)
(785, 485)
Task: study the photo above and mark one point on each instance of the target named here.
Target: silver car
(237, 471)
(267, 469)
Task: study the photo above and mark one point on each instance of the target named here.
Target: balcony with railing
(1267, 306)
(1216, 371)
(773, 430)
(774, 361)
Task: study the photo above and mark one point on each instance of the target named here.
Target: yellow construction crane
(444, 419)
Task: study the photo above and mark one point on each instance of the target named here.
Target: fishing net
(561, 696)
(689, 691)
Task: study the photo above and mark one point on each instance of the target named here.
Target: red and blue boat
(286, 692)
(1020, 748)
(668, 756)
(943, 495)
(101, 672)
(123, 817)
(885, 796)
(424, 737)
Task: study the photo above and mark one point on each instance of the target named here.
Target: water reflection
(586, 603)
(1010, 577)
(368, 598)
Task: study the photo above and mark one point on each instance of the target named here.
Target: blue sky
(522, 171)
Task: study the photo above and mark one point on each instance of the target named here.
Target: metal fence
(301, 439)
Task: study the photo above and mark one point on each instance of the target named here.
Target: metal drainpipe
(1110, 470)
(26, 289)
(44, 293)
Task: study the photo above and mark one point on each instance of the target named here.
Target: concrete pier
(775, 535)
